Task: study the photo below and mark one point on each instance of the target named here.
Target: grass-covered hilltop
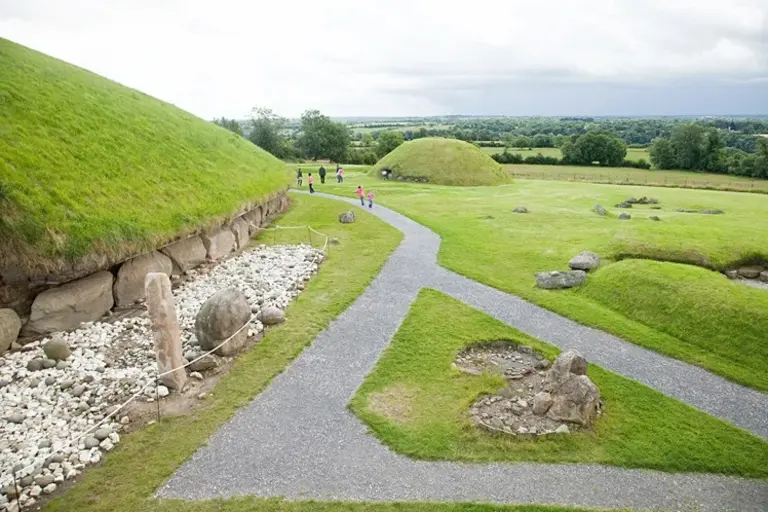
(442, 162)
(90, 166)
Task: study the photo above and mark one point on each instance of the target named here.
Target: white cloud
(387, 58)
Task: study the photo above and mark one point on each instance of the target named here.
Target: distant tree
(230, 124)
(388, 141)
(662, 154)
(266, 131)
(689, 146)
(367, 139)
(594, 146)
(542, 140)
(523, 142)
(322, 138)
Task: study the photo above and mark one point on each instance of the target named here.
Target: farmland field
(634, 154)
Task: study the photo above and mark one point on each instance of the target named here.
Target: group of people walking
(321, 172)
(360, 192)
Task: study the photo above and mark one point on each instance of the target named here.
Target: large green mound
(443, 162)
(713, 319)
(88, 165)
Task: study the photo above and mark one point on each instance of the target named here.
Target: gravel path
(298, 440)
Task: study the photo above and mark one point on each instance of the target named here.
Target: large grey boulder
(600, 210)
(57, 349)
(185, 254)
(240, 230)
(67, 306)
(220, 317)
(347, 217)
(574, 397)
(585, 261)
(219, 243)
(10, 325)
(557, 280)
(751, 272)
(271, 315)
(129, 285)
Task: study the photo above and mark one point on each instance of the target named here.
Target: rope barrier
(112, 414)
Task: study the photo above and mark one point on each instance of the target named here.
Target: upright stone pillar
(165, 327)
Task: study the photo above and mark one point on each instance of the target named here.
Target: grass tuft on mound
(443, 162)
(88, 165)
(716, 322)
(639, 428)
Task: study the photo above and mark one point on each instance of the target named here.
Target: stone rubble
(45, 407)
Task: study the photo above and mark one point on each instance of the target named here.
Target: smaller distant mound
(442, 162)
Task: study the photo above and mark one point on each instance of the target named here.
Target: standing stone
(10, 325)
(221, 316)
(240, 230)
(165, 327)
(585, 261)
(67, 306)
(129, 285)
(219, 243)
(185, 254)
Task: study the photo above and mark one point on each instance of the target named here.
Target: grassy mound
(703, 310)
(443, 162)
(640, 427)
(88, 165)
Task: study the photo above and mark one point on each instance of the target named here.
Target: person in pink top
(361, 194)
(339, 174)
(371, 197)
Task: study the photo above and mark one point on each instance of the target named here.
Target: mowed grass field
(483, 239)
(417, 403)
(629, 176)
(634, 154)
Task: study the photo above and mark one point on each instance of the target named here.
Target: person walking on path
(299, 177)
(339, 174)
(311, 182)
(361, 194)
(371, 197)
(321, 172)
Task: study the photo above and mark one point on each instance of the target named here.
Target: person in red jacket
(361, 194)
(311, 182)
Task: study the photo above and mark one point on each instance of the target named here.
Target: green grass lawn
(443, 161)
(87, 164)
(633, 154)
(145, 459)
(483, 239)
(639, 428)
(628, 176)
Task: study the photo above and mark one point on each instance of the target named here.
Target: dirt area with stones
(524, 406)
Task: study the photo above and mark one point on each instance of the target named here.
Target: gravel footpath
(298, 440)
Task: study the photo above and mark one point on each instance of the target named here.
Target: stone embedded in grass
(585, 261)
(347, 217)
(750, 272)
(624, 205)
(654, 217)
(712, 212)
(764, 276)
(520, 209)
(624, 216)
(220, 317)
(600, 210)
(558, 280)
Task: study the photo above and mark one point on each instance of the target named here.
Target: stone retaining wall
(32, 306)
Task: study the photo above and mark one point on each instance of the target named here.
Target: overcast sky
(415, 57)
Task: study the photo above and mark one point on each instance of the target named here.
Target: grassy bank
(485, 240)
(87, 164)
(639, 428)
(145, 459)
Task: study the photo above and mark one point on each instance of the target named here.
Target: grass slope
(131, 473)
(640, 427)
(87, 164)
(703, 310)
(484, 240)
(443, 162)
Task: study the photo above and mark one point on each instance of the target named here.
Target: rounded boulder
(221, 316)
